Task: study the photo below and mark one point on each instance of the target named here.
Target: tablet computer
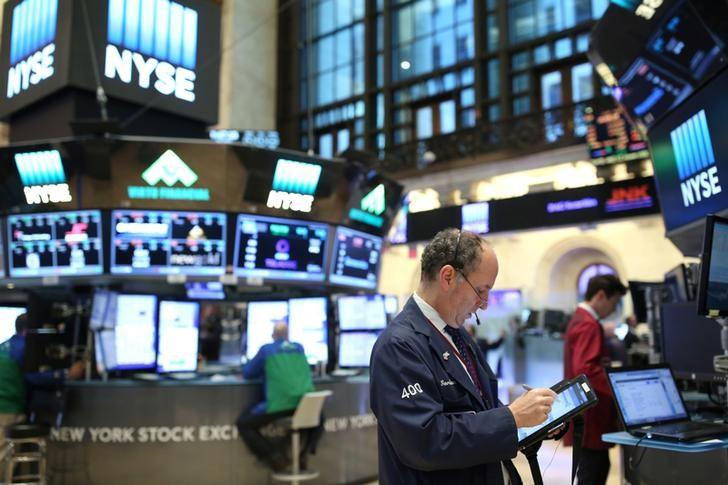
(573, 397)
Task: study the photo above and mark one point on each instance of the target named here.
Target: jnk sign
(153, 44)
(32, 45)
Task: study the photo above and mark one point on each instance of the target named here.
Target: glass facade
(382, 75)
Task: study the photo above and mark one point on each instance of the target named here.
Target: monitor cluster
(132, 242)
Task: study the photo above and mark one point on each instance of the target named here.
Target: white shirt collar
(429, 312)
(587, 308)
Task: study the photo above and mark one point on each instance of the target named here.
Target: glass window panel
(551, 90)
(447, 116)
(467, 118)
(491, 4)
(521, 22)
(493, 33)
(562, 48)
(380, 111)
(423, 58)
(325, 88)
(324, 17)
(519, 83)
(598, 7)
(380, 33)
(359, 86)
(381, 141)
(360, 108)
(450, 81)
(444, 14)
(542, 54)
(423, 18)
(343, 47)
(359, 127)
(325, 54)
(424, 122)
(326, 145)
(343, 82)
(403, 31)
(434, 86)
(521, 105)
(467, 97)
(582, 43)
(582, 11)
(358, 38)
(465, 41)
(402, 135)
(444, 53)
(358, 9)
(549, 17)
(493, 74)
(464, 11)
(380, 70)
(343, 13)
(520, 60)
(403, 115)
(494, 112)
(342, 140)
(359, 143)
(582, 83)
(467, 76)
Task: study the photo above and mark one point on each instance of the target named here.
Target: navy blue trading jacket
(434, 427)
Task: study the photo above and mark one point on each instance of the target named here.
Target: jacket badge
(446, 355)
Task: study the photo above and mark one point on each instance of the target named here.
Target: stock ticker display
(168, 242)
(55, 244)
(355, 258)
(284, 249)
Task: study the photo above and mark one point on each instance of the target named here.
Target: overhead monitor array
(187, 243)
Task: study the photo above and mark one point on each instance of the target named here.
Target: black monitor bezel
(710, 221)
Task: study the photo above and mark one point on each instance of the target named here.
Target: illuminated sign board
(629, 198)
(32, 47)
(269, 139)
(372, 206)
(153, 44)
(42, 176)
(294, 185)
(171, 170)
(645, 8)
(58, 243)
(476, 217)
(695, 160)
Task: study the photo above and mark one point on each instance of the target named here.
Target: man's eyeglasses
(458, 268)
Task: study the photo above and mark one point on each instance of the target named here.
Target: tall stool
(18, 438)
(307, 416)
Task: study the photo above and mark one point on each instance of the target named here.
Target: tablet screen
(566, 401)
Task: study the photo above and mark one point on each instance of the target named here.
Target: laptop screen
(647, 396)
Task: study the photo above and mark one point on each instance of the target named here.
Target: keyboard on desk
(687, 430)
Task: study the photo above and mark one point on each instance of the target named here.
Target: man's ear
(446, 276)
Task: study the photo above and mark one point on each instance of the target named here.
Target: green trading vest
(12, 386)
(287, 378)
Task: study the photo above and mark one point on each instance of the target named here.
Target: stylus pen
(527, 387)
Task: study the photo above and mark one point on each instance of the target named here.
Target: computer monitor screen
(361, 312)
(713, 285)
(307, 325)
(647, 396)
(55, 244)
(8, 314)
(166, 242)
(391, 305)
(2, 253)
(131, 345)
(638, 291)
(102, 307)
(179, 324)
(689, 341)
(205, 290)
(355, 258)
(355, 348)
(504, 303)
(262, 316)
(282, 249)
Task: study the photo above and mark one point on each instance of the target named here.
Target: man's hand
(532, 408)
(77, 370)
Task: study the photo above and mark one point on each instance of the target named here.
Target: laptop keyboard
(679, 427)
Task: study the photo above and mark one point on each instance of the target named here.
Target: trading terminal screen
(129, 343)
(355, 258)
(55, 244)
(307, 324)
(355, 348)
(178, 336)
(262, 317)
(282, 249)
(8, 314)
(162, 242)
(717, 294)
(361, 312)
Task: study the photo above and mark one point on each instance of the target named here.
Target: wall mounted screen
(262, 316)
(55, 244)
(355, 348)
(361, 312)
(282, 249)
(355, 258)
(179, 326)
(166, 242)
(129, 343)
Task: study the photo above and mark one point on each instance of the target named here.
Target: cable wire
(153, 101)
(558, 443)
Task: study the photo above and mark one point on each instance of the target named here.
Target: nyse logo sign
(169, 169)
(42, 176)
(33, 31)
(153, 44)
(372, 206)
(695, 160)
(294, 185)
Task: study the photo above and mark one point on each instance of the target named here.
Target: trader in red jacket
(585, 352)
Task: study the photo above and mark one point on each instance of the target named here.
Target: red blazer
(585, 352)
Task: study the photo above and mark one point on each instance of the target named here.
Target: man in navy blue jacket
(435, 398)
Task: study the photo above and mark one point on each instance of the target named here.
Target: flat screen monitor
(355, 348)
(361, 312)
(131, 344)
(179, 325)
(2, 252)
(103, 307)
(8, 314)
(262, 316)
(689, 341)
(55, 244)
(168, 242)
(355, 258)
(713, 284)
(308, 325)
(205, 290)
(280, 249)
(504, 303)
(638, 290)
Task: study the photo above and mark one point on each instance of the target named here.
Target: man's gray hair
(464, 255)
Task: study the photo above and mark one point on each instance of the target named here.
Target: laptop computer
(651, 406)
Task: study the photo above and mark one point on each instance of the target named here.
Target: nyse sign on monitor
(132, 67)
(31, 71)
